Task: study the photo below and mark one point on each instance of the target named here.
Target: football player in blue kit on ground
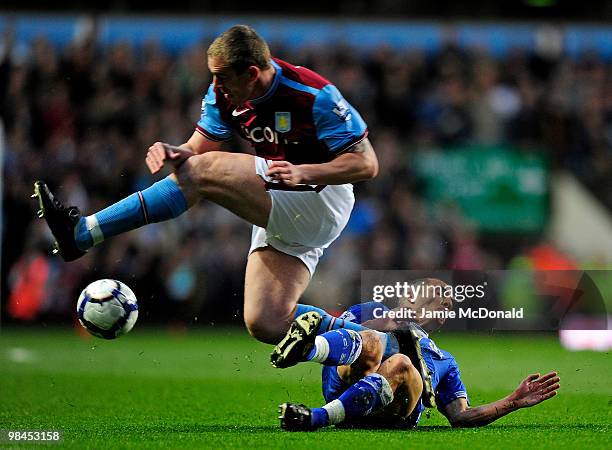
(310, 144)
(365, 388)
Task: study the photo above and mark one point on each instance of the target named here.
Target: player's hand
(160, 152)
(285, 172)
(535, 389)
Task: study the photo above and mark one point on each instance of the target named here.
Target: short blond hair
(241, 47)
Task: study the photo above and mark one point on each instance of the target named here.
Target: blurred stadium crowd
(82, 119)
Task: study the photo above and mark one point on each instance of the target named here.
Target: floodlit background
(494, 139)
(492, 122)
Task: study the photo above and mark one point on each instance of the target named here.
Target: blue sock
(329, 322)
(367, 395)
(162, 201)
(319, 417)
(336, 348)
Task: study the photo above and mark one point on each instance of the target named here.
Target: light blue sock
(364, 397)
(336, 348)
(162, 201)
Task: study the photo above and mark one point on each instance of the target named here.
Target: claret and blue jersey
(443, 367)
(302, 118)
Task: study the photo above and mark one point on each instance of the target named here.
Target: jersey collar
(273, 86)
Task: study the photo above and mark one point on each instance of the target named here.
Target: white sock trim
(383, 337)
(386, 393)
(335, 411)
(91, 222)
(359, 342)
(321, 349)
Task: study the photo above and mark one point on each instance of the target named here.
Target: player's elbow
(467, 424)
(466, 421)
(361, 170)
(460, 422)
(364, 160)
(460, 418)
(370, 168)
(457, 423)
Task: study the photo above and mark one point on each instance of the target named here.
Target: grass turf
(216, 389)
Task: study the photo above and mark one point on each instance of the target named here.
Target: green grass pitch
(216, 389)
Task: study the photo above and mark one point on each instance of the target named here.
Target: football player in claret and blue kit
(310, 144)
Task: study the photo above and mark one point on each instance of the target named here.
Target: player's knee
(259, 329)
(199, 170)
(401, 366)
(264, 327)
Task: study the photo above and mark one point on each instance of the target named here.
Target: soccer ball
(107, 308)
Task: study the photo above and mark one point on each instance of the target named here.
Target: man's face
(433, 301)
(435, 304)
(237, 88)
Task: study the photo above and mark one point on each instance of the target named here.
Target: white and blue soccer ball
(107, 308)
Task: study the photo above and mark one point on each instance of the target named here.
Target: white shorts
(302, 224)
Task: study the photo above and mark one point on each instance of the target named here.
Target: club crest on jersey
(342, 110)
(282, 122)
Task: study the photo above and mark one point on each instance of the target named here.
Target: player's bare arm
(533, 390)
(160, 152)
(357, 164)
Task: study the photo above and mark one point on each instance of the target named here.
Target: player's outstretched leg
(391, 394)
(330, 323)
(305, 342)
(75, 234)
(409, 340)
(223, 178)
(369, 394)
(301, 343)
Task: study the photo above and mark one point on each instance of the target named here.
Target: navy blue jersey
(443, 367)
(302, 118)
